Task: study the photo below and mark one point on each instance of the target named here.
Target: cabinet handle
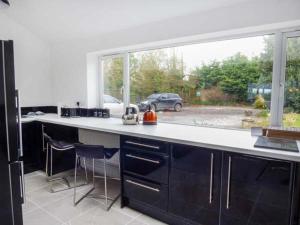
(23, 182)
(19, 124)
(228, 183)
(143, 186)
(141, 158)
(143, 145)
(211, 177)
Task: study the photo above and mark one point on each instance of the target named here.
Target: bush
(263, 114)
(288, 110)
(260, 102)
(293, 100)
(214, 94)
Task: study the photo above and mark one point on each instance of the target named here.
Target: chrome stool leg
(75, 184)
(105, 181)
(47, 163)
(52, 178)
(105, 196)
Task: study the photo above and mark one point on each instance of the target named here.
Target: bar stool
(60, 146)
(95, 152)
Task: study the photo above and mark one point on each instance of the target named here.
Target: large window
(221, 84)
(225, 84)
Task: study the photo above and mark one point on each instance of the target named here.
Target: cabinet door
(31, 151)
(195, 184)
(255, 191)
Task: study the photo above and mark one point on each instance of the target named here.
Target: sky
(196, 54)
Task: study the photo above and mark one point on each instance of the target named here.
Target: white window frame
(279, 61)
(282, 65)
(126, 78)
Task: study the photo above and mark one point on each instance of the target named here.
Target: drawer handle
(143, 186)
(141, 158)
(143, 145)
(228, 183)
(211, 177)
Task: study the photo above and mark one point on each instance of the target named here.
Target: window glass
(221, 84)
(291, 116)
(113, 85)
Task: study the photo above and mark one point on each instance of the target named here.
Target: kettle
(131, 116)
(150, 117)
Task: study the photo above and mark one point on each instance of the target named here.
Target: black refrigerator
(11, 164)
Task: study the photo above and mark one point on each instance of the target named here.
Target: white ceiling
(57, 20)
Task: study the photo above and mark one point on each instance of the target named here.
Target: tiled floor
(43, 207)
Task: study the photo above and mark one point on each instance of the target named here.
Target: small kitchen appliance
(131, 116)
(150, 117)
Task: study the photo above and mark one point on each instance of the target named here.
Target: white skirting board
(107, 140)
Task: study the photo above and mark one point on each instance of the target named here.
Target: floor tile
(98, 216)
(125, 210)
(35, 173)
(44, 196)
(44, 207)
(147, 220)
(28, 206)
(33, 183)
(65, 210)
(40, 217)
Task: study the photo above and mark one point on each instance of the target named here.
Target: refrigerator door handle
(19, 124)
(22, 181)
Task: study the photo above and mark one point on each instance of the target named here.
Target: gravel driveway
(220, 116)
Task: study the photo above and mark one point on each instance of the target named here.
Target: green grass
(289, 119)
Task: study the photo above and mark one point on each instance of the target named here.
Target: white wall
(32, 63)
(69, 59)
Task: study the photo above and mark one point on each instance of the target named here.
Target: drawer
(152, 194)
(144, 144)
(148, 165)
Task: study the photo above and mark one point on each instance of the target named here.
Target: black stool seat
(95, 151)
(58, 145)
(61, 145)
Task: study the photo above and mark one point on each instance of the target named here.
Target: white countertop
(221, 139)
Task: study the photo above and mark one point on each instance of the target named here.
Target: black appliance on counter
(99, 112)
(70, 112)
(84, 112)
(11, 164)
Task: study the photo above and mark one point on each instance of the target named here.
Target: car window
(164, 96)
(153, 96)
(110, 99)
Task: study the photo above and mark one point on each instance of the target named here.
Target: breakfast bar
(183, 174)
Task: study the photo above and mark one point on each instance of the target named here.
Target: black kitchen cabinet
(195, 178)
(206, 186)
(145, 175)
(256, 191)
(31, 147)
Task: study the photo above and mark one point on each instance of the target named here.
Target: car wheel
(153, 107)
(178, 107)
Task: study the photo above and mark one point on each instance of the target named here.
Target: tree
(113, 77)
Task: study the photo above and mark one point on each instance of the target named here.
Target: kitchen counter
(221, 139)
